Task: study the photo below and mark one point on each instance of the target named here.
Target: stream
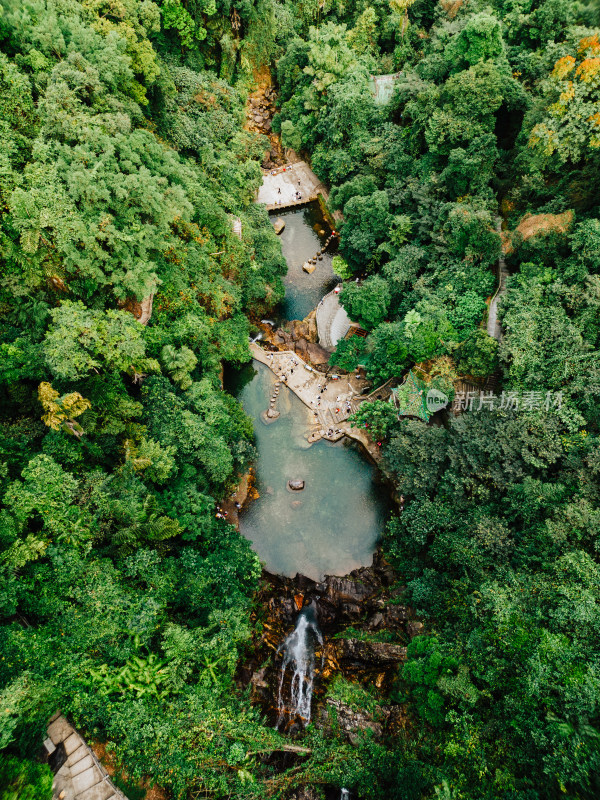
(332, 526)
(300, 241)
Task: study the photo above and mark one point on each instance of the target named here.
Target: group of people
(297, 193)
(292, 364)
(347, 404)
(220, 514)
(284, 371)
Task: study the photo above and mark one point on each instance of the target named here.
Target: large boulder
(350, 721)
(311, 324)
(282, 337)
(317, 354)
(345, 590)
(301, 348)
(278, 225)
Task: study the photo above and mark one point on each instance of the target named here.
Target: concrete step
(72, 742)
(84, 763)
(101, 791)
(59, 730)
(86, 779)
(77, 755)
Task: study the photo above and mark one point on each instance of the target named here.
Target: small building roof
(410, 398)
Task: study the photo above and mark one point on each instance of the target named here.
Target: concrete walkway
(332, 321)
(330, 407)
(278, 190)
(81, 777)
(493, 325)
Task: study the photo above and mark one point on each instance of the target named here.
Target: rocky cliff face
(365, 626)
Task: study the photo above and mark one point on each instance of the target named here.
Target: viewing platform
(332, 407)
(279, 188)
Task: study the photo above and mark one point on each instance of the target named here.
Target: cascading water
(298, 651)
(345, 794)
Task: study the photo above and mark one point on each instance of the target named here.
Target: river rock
(352, 610)
(272, 413)
(308, 267)
(296, 503)
(282, 337)
(278, 225)
(376, 621)
(372, 653)
(305, 793)
(296, 485)
(414, 628)
(395, 615)
(259, 686)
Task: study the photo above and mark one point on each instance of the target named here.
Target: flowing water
(298, 653)
(330, 527)
(300, 241)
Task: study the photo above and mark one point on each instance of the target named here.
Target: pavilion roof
(410, 398)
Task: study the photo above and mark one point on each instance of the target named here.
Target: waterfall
(345, 794)
(257, 338)
(298, 651)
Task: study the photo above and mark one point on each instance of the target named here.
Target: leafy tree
(25, 780)
(569, 128)
(367, 303)
(477, 355)
(379, 417)
(82, 340)
(367, 222)
(60, 412)
(179, 364)
(423, 672)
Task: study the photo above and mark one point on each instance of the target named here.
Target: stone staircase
(81, 776)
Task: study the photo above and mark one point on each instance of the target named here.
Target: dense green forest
(123, 291)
